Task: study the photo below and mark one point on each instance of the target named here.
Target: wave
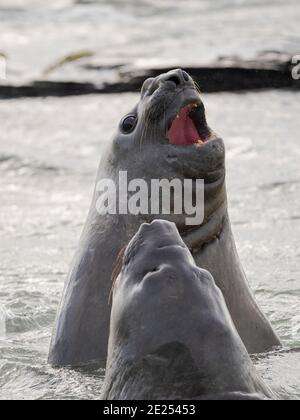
(14, 162)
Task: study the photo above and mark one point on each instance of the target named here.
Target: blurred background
(50, 146)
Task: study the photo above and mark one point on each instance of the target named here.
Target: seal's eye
(129, 124)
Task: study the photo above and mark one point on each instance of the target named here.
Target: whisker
(116, 271)
(197, 87)
(145, 130)
(144, 116)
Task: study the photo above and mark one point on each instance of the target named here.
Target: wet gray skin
(141, 147)
(171, 335)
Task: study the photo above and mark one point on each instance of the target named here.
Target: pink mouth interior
(183, 131)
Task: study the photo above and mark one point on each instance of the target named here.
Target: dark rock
(269, 70)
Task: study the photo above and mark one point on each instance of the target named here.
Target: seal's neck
(215, 217)
(168, 373)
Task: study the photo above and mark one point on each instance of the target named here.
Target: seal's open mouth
(188, 127)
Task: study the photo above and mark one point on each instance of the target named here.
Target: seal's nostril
(175, 79)
(185, 76)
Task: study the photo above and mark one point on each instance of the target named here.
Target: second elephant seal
(171, 335)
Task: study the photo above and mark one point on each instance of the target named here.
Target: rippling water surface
(50, 148)
(35, 33)
(48, 158)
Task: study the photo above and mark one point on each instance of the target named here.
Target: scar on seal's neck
(197, 238)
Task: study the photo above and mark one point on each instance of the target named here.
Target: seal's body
(164, 137)
(171, 335)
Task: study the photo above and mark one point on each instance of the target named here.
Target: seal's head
(170, 119)
(172, 104)
(171, 335)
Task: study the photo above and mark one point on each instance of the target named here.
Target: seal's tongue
(183, 130)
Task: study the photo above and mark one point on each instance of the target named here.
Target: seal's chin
(189, 127)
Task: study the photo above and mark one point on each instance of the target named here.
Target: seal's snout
(186, 122)
(179, 77)
(161, 233)
(172, 81)
(174, 110)
(158, 226)
(161, 249)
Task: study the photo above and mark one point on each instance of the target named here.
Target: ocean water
(50, 148)
(35, 34)
(49, 152)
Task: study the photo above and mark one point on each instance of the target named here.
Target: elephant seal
(171, 335)
(165, 136)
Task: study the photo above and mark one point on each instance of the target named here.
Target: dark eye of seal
(129, 124)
